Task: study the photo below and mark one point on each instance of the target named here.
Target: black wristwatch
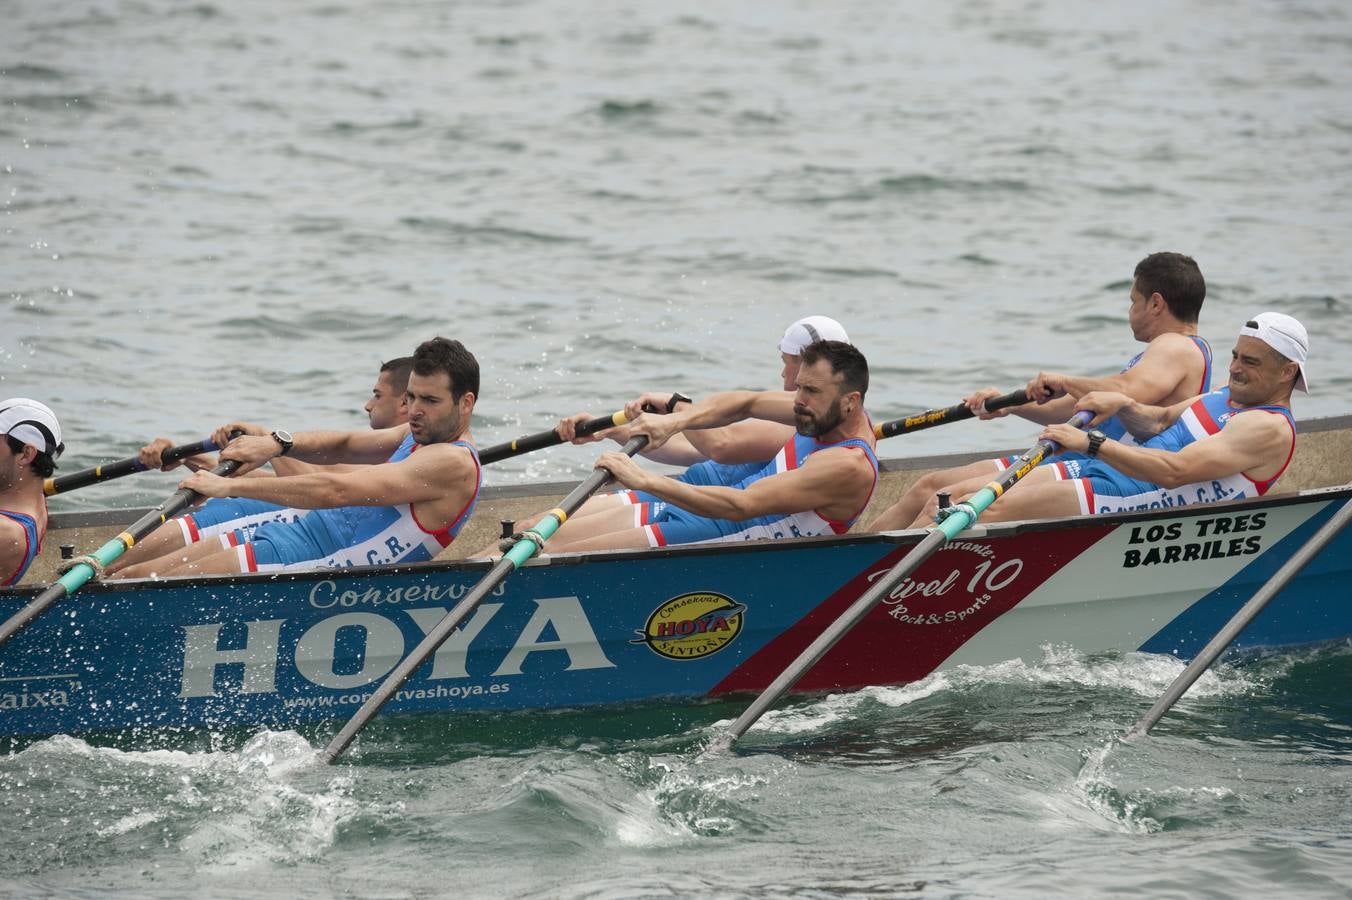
(284, 438)
(1096, 439)
(677, 397)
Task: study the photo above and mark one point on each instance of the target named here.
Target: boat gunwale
(899, 538)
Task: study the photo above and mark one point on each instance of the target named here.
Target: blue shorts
(702, 474)
(666, 524)
(224, 514)
(274, 546)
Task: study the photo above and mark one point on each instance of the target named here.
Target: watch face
(283, 436)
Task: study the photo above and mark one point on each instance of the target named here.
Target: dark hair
(451, 357)
(1177, 279)
(43, 465)
(399, 370)
(846, 361)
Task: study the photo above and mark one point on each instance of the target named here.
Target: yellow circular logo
(692, 625)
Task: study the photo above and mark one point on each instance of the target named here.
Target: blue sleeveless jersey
(1102, 488)
(353, 535)
(1113, 427)
(33, 539)
(667, 524)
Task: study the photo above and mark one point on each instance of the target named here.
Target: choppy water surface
(998, 781)
(211, 211)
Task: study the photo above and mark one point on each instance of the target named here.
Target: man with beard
(386, 409)
(818, 483)
(28, 453)
(404, 509)
(1226, 445)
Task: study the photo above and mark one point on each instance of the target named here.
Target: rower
(386, 408)
(1166, 297)
(713, 456)
(818, 483)
(406, 509)
(28, 455)
(1229, 444)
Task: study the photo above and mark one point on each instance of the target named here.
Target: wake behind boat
(694, 621)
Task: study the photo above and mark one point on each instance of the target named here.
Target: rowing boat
(682, 622)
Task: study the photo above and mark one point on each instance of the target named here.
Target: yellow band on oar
(513, 445)
(126, 539)
(619, 418)
(559, 514)
(997, 488)
(49, 486)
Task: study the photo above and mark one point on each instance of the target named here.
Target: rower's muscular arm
(830, 481)
(1254, 443)
(716, 411)
(1157, 375)
(13, 547)
(321, 447)
(421, 478)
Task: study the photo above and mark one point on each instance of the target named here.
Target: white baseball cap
(32, 423)
(809, 330)
(1285, 335)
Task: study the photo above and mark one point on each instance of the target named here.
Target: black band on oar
(81, 572)
(1241, 620)
(109, 471)
(543, 439)
(957, 413)
(959, 517)
(523, 550)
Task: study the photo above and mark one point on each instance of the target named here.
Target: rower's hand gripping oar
(109, 471)
(1241, 619)
(543, 439)
(956, 518)
(532, 540)
(956, 413)
(86, 567)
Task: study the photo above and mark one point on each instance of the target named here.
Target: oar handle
(81, 572)
(543, 439)
(109, 471)
(955, 413)
(521, 551)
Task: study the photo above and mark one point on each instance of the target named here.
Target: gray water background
(212, 210)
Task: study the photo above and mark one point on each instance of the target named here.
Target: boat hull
(576, 630)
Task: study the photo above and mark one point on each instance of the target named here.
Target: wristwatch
(1096, 439)
(284, 438)
(677, 397)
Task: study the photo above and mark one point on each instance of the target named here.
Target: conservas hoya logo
(692, 625)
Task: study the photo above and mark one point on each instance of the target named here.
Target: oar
(83, 570)
(958, 517)
(543, 439)
(957, 413)
(109, 471)
(1241, 619)
(527, 546)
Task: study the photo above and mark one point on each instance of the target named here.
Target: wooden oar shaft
(513, 559)
(955, 413)
(962, 517)
(109, 471)
(79, 574)
(1241, 620)
(543, 439)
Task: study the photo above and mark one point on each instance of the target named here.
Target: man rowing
(386, 408)
(28, 456)
(1166, 297)
(818, 483)
(410, 492)
(714, 456)
(1229, 444)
